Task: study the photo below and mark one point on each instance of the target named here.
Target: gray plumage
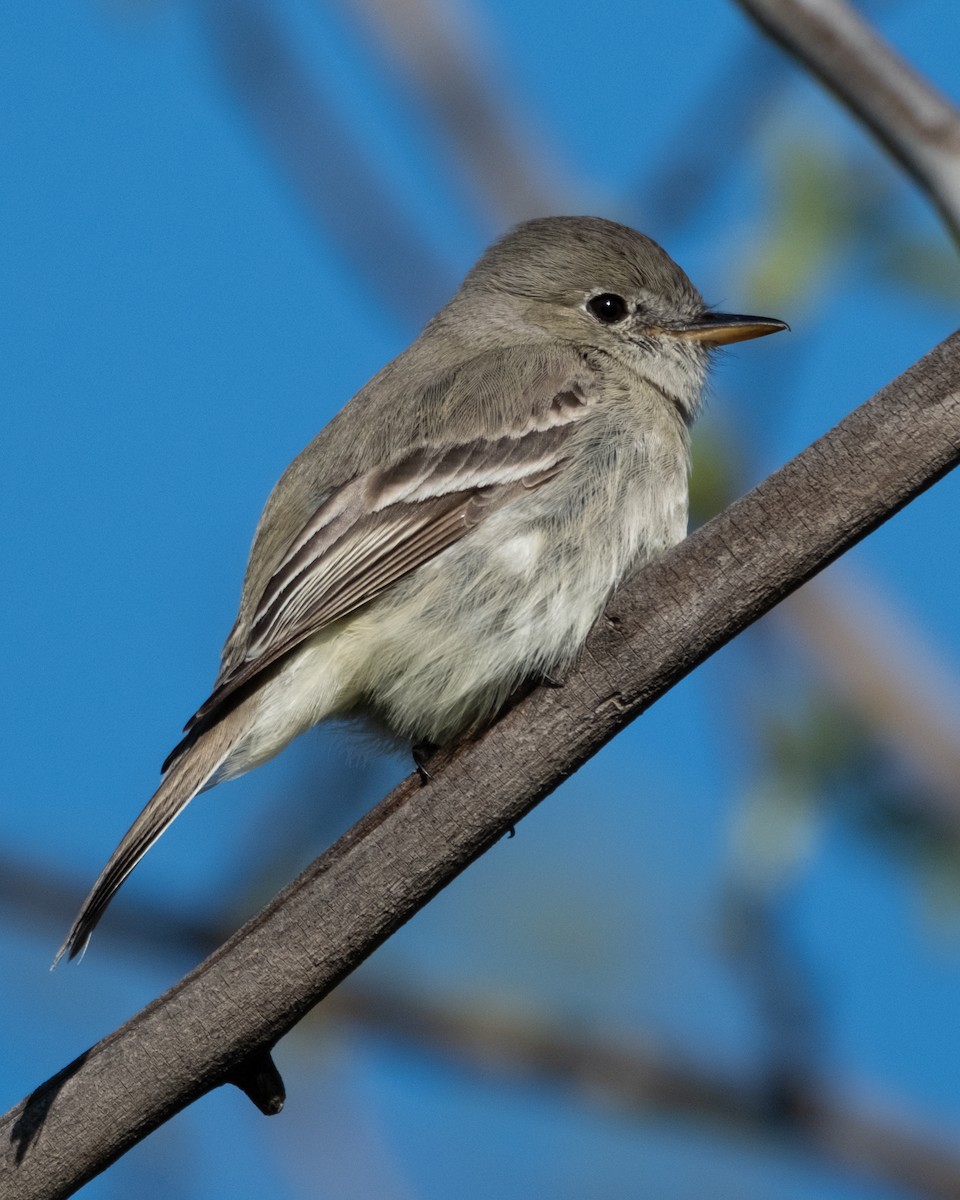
(458, 527)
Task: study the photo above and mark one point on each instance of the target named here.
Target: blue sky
(178, 323)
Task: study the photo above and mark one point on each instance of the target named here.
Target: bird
(457, 528)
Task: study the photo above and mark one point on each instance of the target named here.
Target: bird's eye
(607, 308)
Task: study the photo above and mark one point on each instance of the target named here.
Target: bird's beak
(719, 329)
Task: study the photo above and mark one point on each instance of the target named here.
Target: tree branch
(668, 619)
(624, 1073)
(907, 115)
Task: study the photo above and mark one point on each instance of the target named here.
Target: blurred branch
(637, 1078)
(658, 627)
(917, 124)
(440, 59)
(775, 979)
(342, 189)
(712, 138)
(893, 680)
(784, 1100)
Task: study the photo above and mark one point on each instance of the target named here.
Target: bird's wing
(379, 527)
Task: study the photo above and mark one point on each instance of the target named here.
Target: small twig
(259, 1080)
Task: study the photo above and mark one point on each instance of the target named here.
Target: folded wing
(379, 527)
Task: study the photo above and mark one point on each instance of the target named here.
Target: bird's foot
(422, 752)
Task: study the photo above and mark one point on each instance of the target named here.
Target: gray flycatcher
(459, 526)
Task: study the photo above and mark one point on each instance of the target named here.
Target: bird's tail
(186, 776)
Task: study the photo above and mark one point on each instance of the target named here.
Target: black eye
(607, 308)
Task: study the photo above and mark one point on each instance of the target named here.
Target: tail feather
(186, 776)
